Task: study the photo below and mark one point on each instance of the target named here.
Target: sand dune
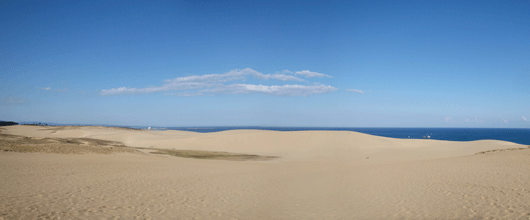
(319, 175)
(290, 146)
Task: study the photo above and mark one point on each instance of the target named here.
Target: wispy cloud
(355, 90)
(184, 94)
(448, 119)
(54, 90)
(216, 83)
(11, 100)
(286, 71)
(284, 90)
(504, 121)
(310, 74)
(524, 118)
(475, 119)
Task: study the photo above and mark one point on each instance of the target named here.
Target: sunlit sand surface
(96, 172)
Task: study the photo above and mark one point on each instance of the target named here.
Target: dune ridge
(289, 145)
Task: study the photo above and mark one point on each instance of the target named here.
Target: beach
(115, 173)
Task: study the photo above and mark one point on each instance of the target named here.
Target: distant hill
(7, 123)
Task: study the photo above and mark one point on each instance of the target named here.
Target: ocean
(516, 135)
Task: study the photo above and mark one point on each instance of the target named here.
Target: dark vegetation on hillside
(7, 123)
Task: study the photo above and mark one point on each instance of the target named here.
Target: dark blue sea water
(516, 135)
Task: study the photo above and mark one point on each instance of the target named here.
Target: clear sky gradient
(266, 63)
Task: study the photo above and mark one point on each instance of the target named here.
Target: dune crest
(289, 145)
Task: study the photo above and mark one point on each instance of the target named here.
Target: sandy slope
(291, 146)
(321, 175)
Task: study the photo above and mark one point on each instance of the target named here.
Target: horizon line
(233, 126)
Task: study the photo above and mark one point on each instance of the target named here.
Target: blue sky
(267, 63)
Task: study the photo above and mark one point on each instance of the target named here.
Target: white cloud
(281, 77)
(448, 119)
(215, 83)
(504, 121)
(55, 90)
(310, 74)
(286, 71)
(284, 90)
(184, 94)
(262, 76)
(524, 118)
(477, 119)
(200, 82)
(467, 120)
(355, 90)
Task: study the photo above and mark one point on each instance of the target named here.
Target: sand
(313, 175)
